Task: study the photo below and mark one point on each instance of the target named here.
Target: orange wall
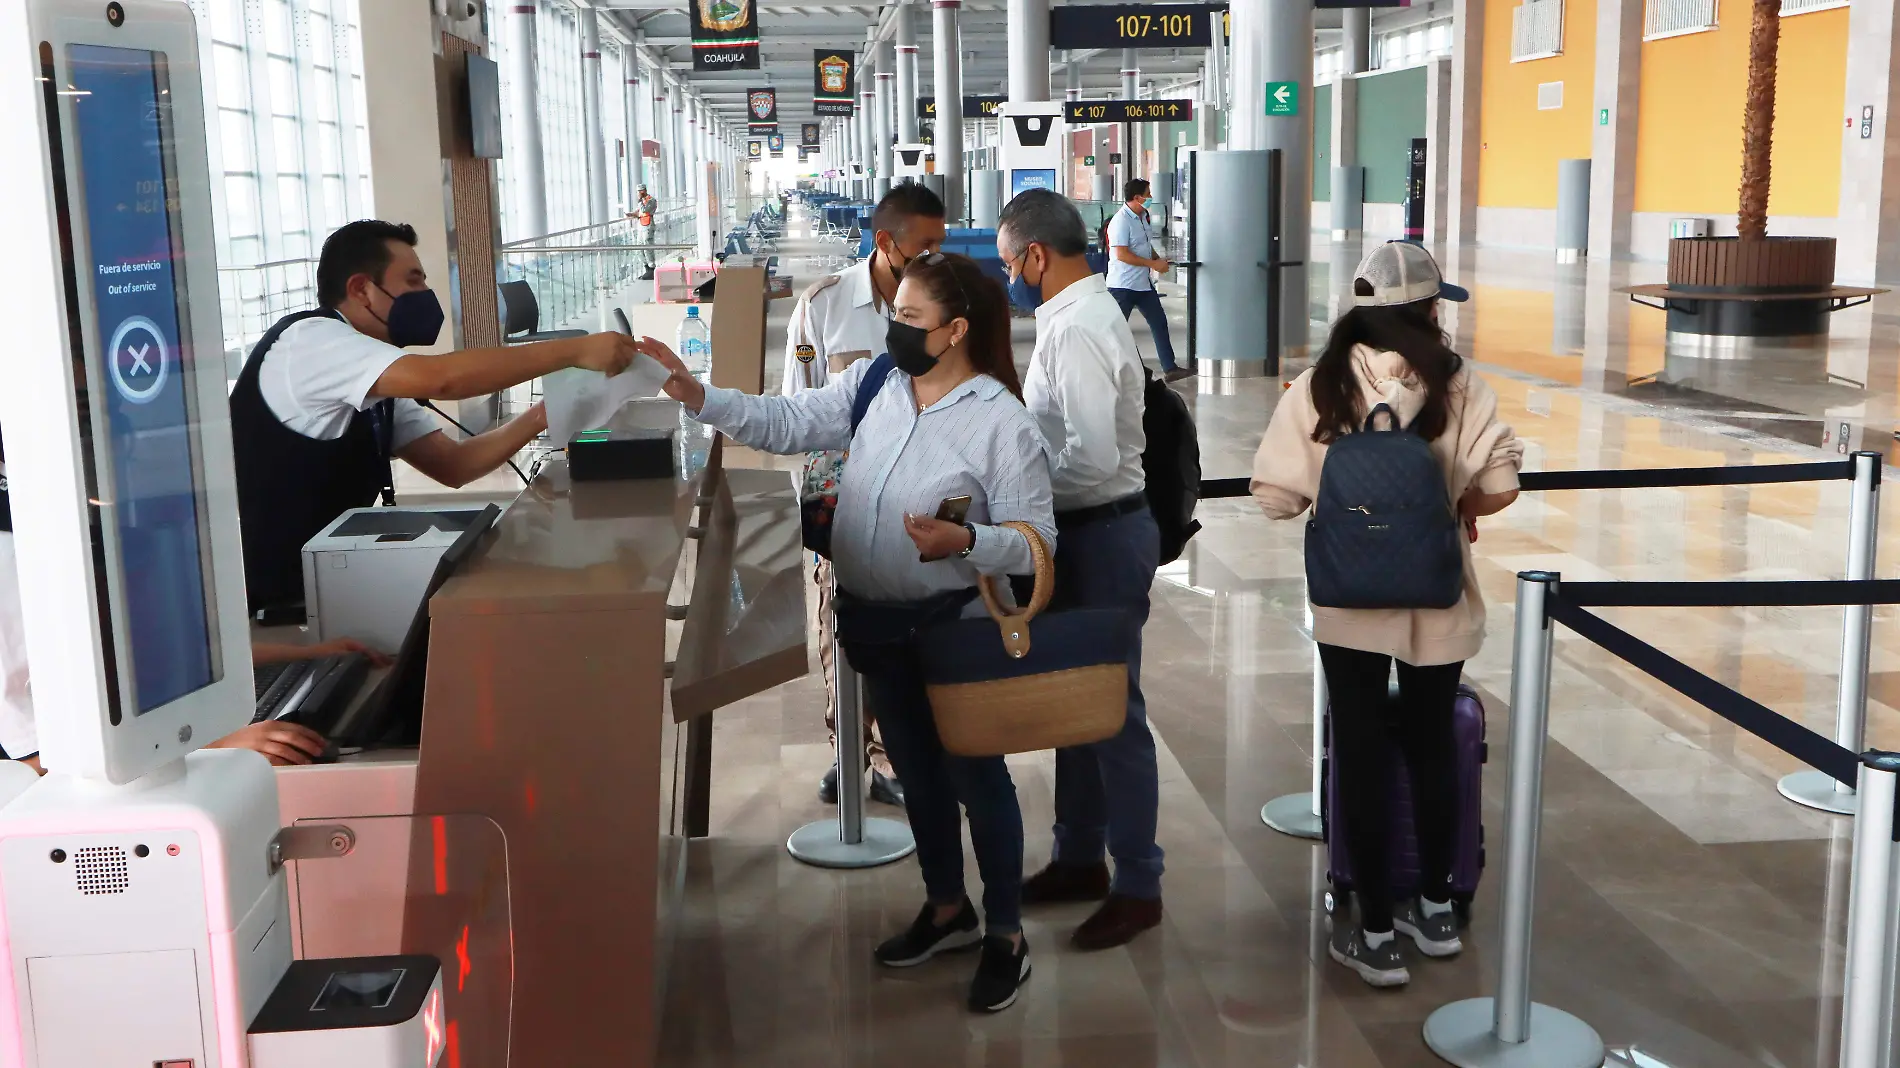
(1518, 165)
(1689, 136)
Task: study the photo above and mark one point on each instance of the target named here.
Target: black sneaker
(925, 939)
(1382, 967)
(999, 975)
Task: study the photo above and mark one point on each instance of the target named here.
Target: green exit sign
(1283, 98)
(1603, 116)
(1088, 161)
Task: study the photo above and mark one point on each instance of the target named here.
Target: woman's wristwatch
(965, 554)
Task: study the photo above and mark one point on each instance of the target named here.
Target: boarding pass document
(579, 399)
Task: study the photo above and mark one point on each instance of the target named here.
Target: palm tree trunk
(1758, 120)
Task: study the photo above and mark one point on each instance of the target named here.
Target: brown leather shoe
(1060, 883)
(1117, 922)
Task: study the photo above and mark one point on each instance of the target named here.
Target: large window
(289, 147)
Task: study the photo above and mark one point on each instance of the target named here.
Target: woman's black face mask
(909, 347)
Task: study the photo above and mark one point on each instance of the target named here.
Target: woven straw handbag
(1025, 680)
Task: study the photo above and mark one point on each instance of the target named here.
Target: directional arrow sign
(1283, 98)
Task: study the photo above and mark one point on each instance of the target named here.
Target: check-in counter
(574, 663)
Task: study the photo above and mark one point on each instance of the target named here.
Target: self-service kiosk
(144, 919)
(907, 162)
(1032, 145)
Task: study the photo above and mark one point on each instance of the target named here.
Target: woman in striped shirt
(949, 423)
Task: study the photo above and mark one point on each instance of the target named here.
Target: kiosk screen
(156, 519)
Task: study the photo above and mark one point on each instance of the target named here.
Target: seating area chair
(521, 316)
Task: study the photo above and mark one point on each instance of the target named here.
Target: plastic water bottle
(695, 343)
(695, 351)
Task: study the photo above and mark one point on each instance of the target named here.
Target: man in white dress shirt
(1085, 387)
(842, 319)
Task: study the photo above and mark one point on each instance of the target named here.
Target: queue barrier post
(1299, 814)
(851, 840)
(1873, 920)
(1509, 1030)
(1817, 789)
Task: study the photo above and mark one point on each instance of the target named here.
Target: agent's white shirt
(322, 371)
(1085, 388)
(844, 317)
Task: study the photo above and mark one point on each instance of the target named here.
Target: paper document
(580, 400)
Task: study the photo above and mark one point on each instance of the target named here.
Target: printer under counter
(364, 574)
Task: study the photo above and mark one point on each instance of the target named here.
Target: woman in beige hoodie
(1389, 349)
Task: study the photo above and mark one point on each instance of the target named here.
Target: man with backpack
(1086, 388)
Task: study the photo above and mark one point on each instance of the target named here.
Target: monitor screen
(1020, 180)
(484, 107)
(153, 486)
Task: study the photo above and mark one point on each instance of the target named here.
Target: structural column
(882, 104)
(1343, 138)
(1029, 49)
(1273, 42)
(636, 158)
(905, 30)
(947, 65)
(1613, 126)
(594, 130)
(1072, 77)
(1438, 127)
(676, 143)
(1466, 135)
(530, 184)
(1868, 248)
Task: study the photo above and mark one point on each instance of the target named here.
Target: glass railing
(254, 296)
(573, 272)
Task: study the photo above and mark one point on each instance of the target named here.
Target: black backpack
(1171, 464)
(1383, 534)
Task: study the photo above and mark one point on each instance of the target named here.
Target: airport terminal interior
(573, 781)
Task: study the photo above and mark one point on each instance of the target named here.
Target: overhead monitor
(128, 546)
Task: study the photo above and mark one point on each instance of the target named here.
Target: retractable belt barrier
(1509, 1029)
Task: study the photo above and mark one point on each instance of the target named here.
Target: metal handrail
(268, 263)
(596, 248)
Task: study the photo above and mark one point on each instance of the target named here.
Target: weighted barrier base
(1816, 790)
(1292, 814)
(1461, 1033)
(822, 845)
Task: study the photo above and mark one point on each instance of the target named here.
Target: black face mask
(897, 269)
(908, 346)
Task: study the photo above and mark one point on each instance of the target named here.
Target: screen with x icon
(153, 496)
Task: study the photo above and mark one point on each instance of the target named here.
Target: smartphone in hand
(950, 510)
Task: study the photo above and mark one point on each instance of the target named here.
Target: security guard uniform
(839, 320)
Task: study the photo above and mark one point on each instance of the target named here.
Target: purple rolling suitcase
(1468, 861)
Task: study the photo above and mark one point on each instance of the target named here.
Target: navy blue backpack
(1383, 533)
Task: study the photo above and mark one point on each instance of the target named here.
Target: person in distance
(945, 420)
(1389, 350)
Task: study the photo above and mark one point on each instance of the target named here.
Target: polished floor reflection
(1684, 908)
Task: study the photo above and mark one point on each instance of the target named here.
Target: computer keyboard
(314, 693)
(277, 685)
(266, 675)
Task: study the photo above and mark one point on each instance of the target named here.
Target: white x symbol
(138, 358)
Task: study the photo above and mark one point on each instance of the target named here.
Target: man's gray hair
(1044, 217)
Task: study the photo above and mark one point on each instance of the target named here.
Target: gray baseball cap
(1401, 272)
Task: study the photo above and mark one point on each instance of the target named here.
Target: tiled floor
(1684, 908)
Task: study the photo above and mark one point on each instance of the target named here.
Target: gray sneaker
(1382, 967)
(1436, 936)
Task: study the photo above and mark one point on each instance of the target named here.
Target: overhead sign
(1133, 25)
(831, 82)
(776, 142)
(755, 149)
(1283, 98)
(761, 110)
(810, 135)
(806, 152)
(974, 107)
(1130, 110)
(725, 34)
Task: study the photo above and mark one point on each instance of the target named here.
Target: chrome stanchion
(851, 840)
(1873, 921)
(1509, 1030)
(1818, 789)
(1299, 814)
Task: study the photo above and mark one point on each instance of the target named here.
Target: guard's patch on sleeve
(805, 353)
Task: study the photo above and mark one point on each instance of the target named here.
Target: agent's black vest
(290, 486)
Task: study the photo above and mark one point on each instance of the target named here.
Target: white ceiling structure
(790, 29)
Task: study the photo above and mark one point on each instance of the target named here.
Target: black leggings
(1365, 726)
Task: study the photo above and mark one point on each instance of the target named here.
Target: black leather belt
(1128, 505)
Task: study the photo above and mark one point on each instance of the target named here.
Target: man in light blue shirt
(1131, 266)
